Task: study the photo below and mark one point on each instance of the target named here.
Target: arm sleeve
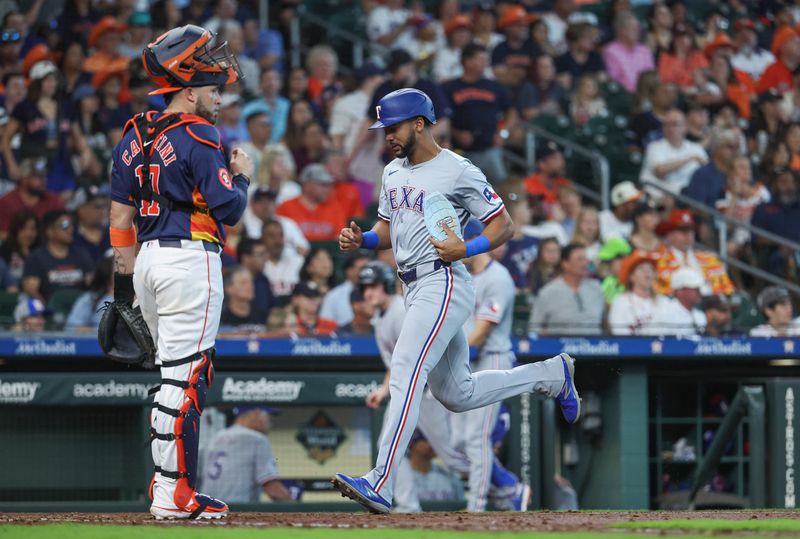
(266, 467)
(495, 299)
(476, 195)
(384, 211)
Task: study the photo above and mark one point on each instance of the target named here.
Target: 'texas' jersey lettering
(407, 198)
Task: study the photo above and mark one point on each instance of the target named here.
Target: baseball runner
(377, 282)
(432, 348)
(170, 180)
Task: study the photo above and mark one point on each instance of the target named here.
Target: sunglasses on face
(9, 37)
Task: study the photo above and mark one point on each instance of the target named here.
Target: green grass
(94, 531)
(717, 525)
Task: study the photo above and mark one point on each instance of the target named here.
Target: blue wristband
(477, 246)
(369, 240)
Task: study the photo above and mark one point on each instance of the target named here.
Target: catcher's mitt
(124, 336)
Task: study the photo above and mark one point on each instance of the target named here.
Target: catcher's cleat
(201, 506)
(359, 490)
(568, 398)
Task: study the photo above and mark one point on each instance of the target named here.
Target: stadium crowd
(709, 100)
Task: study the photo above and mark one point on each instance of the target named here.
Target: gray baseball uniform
(432, 347)
(238, 462)
(494, 302)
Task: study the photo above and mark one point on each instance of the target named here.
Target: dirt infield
(544, 521)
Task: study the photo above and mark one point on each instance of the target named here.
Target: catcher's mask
(183, 58)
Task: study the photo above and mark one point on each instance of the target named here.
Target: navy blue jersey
(477, 107)
(187, 165)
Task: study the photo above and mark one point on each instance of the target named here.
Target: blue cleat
(568, 398)
(359, 490)
(522, 497)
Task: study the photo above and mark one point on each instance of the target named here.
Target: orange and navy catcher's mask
(182, 58)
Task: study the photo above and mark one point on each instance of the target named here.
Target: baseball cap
(781, 36)
(256, 107)
(103, 26)
(614, 248)
(770, 96)
(29, 307)
(308, 289)
(771, 296)
(264, 193)
(42, 69)
(85, 195)
(367, 70)
(715, 303)
(315, 172)
(398, 58)
(140, 18)
(624, 192)
(547, 149)
(239, 410)
(686, 278)
(33, 166)
(642, 208)
(677, 219)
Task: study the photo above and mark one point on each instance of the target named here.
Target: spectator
(113, 114)
(283, 265)
(776, 305)
(717, 311)
(766, 123)
(15, 90)
(521, 250)
(346, 191)
(625, 57)
(422, 44)
(558, 21)
(671, 161)
(72, 57)
(660, 30)
(229, 124)
(543, 94)
(91, 206)
(610, 256)
(306, 322)
(313, 145)
(781, 216)
(87, 310)
(632, 312)
(786, 49)
(587, 102)
(484, 26)
(30, 194)
(239, 461)
(106, 40)
(681, 59)
(10, 44)
(479, 104)
(223, 10)
(403, 74)
(568, 208)
(389, 24)
(707, 184)
(238, 313)
(364, 160)
(89, 135)
(316, 212)
(447, 64)
(570, 304)
(792, 139)
(337, 305)
(617, 222)
(648, 125)
(261, 209)
(263, 45)
(742, 196)
(300, 114)
(749, 57)
(776, 159)
(277, 172)
(297, 86)
(139, 34)
(679, 316)
(322, 64)
(361, 323)
(581, 58)
(545, 268)
(679, 252)
(318, 269)
(39, 119)
(270, 95)
(697, 124)
(549, 175)
(22, 238)
(251, 254)
(258, 124)
(725, 84)
(587, 231)
(645, 221)
(231, 32)
(58, 264)
(432, 481)
(512, 58)
(29, 315)
(540, 226)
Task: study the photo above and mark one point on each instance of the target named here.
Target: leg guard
(174, 431)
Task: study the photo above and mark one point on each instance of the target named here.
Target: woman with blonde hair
(276, 172)
(587, 231)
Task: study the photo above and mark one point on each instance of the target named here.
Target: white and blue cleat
(568, 398)
(359, 490)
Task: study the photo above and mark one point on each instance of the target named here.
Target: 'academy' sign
(18, 392)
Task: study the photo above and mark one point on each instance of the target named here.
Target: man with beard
(30, 193)
(781, 216)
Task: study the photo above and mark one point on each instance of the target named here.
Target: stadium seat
(8, 302)
(60, 304)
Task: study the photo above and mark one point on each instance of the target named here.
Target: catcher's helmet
(376, 273)
(402, 105)
(182, 58)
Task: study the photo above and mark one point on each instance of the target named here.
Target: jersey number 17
(149, 207)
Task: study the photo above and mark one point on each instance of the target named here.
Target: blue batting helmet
(402, 105)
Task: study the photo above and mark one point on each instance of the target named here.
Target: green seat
(8, 302)
(60, 304)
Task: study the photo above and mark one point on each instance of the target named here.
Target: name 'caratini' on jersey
(187, 165)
